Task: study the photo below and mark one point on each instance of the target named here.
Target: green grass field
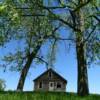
(44, 96)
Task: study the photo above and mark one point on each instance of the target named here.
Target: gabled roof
(53, 72)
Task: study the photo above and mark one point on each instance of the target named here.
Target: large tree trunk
(82, 88)
(82, 82)
(26, 67)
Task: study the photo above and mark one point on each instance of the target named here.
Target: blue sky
(65, 65)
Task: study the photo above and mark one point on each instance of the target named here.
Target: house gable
(50, 74)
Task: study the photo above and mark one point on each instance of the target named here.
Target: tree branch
(64, 39)
(81, 5)
(97, 18)
(53, 36)
(90, 34)
(41, 59)
(52, 7)
(33, 15)
(61, 20)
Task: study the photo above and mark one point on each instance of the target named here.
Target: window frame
(40, 86)
(58, 83)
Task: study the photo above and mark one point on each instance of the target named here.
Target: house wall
(44, 88)
(63, 87)
(45, 79)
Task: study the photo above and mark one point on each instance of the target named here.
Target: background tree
(2, 85)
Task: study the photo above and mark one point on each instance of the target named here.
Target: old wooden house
(50, 81)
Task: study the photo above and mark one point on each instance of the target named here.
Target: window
(58, 85)
(40, 85)
(51, 84)
(50, 74)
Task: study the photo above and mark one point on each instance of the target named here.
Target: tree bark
(27, 67)
(82, 82)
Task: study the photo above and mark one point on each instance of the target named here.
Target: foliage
(2, 85)
(25, 27)
(33, 17)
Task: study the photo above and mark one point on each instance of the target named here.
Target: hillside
(44, 96)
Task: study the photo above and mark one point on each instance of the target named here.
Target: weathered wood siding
(45, 79)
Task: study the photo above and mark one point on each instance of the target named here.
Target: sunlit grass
(44, 96)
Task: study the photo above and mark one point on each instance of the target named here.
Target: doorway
(51, 86)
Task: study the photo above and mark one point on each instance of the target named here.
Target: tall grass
(44, 96)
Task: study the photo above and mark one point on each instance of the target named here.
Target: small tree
(2, 85)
